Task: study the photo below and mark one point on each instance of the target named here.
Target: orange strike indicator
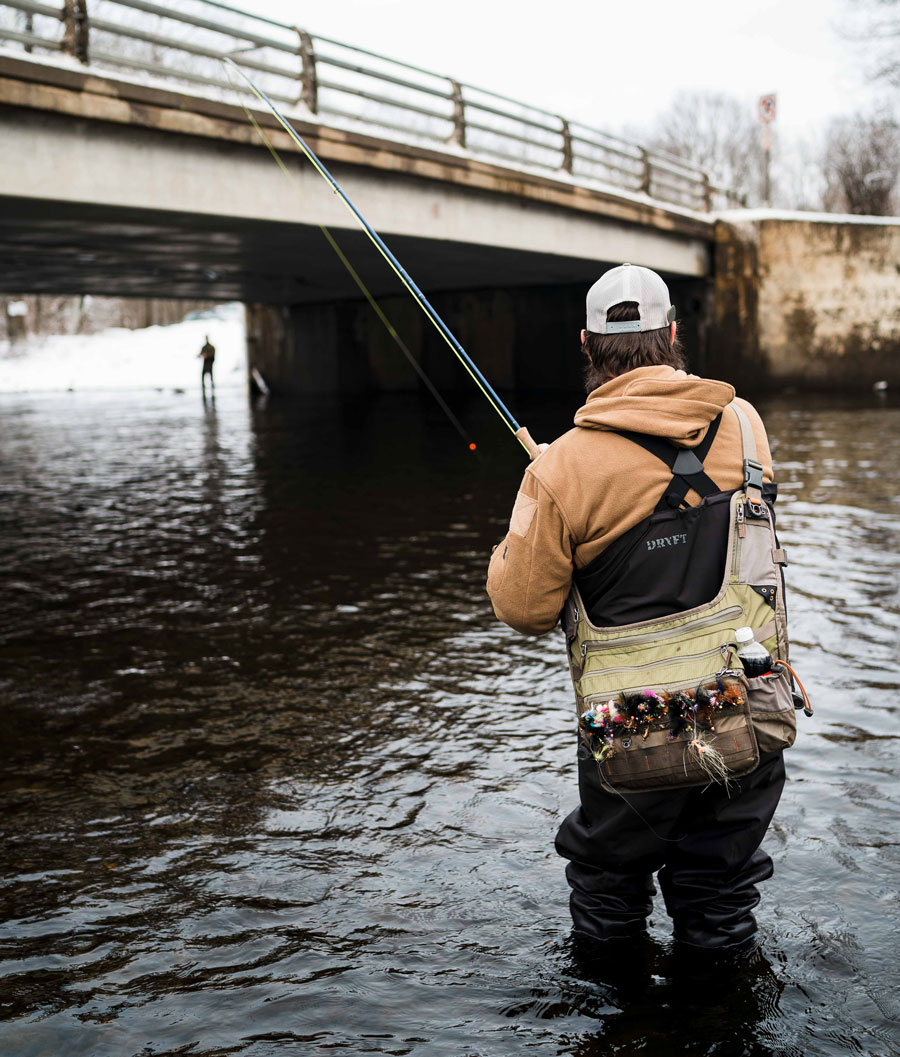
(472, 446)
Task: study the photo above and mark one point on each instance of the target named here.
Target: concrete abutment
(808, 300)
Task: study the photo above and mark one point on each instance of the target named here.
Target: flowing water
(275, 781)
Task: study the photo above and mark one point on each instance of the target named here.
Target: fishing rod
(520, 432)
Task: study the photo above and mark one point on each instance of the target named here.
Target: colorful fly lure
(635, 712)
(712, 701)
(601, 723)
(641, 709)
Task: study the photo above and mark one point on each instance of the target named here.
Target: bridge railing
(326, 80)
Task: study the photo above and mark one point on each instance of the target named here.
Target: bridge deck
(115, 186)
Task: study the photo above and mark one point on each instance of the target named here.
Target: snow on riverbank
(156, 357)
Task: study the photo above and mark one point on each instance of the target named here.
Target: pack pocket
(684, 735)
(772, 711)
(656, 674)
(757, 546)
(658, 762)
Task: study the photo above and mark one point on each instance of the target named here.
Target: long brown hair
(614, 354)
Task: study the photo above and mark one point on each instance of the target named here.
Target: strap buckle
(753, 474)
(753, 482)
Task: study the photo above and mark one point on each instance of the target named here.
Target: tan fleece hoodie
(591, 486)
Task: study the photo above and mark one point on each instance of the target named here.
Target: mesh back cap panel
(628, 282)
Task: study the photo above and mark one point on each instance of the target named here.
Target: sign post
(767, 110)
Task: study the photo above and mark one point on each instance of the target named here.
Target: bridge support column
(734, 349)
(520, 338)
(303, 349)
(524, 338)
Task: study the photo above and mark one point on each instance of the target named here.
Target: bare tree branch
(717, 132)
(875, 25)
(861, 162)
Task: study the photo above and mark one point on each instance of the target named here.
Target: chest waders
(650, 626)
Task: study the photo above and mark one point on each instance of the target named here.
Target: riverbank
(157, 357)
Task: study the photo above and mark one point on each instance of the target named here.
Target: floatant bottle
(755, 658)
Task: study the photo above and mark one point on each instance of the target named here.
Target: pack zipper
(654, 664)
(685, 684)
(737, 543)
(743, 519)
(653, 636)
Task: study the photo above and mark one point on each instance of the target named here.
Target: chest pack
(661, 696)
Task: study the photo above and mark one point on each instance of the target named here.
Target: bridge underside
(83, 248)
(115, 187)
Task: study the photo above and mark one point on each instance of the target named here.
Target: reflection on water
(276, 782)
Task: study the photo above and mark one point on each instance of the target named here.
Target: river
(276, 782)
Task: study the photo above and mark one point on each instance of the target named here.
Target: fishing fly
(520, 432)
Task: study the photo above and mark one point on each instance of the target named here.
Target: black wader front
(704, 843)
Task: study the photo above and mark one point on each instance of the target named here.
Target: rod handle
(528, 442)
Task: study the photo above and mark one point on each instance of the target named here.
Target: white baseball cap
(629, 282)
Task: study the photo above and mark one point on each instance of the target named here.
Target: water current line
(354, 275)
(467, 362)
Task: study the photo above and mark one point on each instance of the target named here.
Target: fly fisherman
(208, 354)
(601, 509)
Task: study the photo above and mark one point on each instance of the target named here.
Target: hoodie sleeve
(530, 573)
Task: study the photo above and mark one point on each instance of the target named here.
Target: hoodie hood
(657, 400)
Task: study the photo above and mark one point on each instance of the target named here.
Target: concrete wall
(809, 300)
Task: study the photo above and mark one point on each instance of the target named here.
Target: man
(208, 355)
(584, 492)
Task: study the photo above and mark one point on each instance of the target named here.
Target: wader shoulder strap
(686, 464)
(753, 471)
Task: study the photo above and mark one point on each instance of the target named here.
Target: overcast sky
(613, 64)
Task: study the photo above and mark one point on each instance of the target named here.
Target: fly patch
(523, 514)
(667, 541)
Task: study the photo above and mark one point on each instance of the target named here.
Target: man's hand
(528, 443)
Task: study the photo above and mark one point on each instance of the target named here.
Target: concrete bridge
(113, 185)
(160, 187)
(134, 190)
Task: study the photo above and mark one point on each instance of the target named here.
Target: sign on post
(767, 110)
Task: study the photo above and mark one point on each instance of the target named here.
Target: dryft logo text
(666, 541)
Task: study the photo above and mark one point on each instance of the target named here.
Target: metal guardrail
(328, 80)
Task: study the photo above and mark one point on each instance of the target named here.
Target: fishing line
(457, 425)
(401, 344)
(628, 803)
(518, 431)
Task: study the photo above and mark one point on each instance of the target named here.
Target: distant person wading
(208, 355)
(648, 532)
